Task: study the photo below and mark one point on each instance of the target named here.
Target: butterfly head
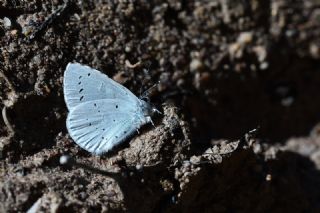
(149, 109)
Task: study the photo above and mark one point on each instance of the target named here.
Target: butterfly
(102, 112)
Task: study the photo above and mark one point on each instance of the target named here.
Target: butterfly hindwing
(117, 134)
(82, 83)
(99, 125)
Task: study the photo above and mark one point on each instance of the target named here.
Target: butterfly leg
(157, 111)
(152, 123)
(149, 120)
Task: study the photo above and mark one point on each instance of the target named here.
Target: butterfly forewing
(82, 84)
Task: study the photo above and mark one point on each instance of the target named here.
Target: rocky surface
(239, 91)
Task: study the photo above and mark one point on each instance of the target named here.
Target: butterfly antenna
(146, 93)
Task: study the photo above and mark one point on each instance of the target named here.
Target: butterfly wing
(97, 126)
(82, 83)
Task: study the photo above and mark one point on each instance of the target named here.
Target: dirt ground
(239, 92)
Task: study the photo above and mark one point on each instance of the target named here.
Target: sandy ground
(239, 91)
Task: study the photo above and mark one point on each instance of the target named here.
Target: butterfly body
(102, 112)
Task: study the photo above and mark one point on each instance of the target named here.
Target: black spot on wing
(80, 76)
(79, 83)
(81, 98)
(89, 74)
(80, 90)
(117, 106)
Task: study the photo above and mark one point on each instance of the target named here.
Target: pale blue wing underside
(82, 83)
(97, 126)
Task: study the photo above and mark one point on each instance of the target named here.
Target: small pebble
(7, 22)
(195, 65)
